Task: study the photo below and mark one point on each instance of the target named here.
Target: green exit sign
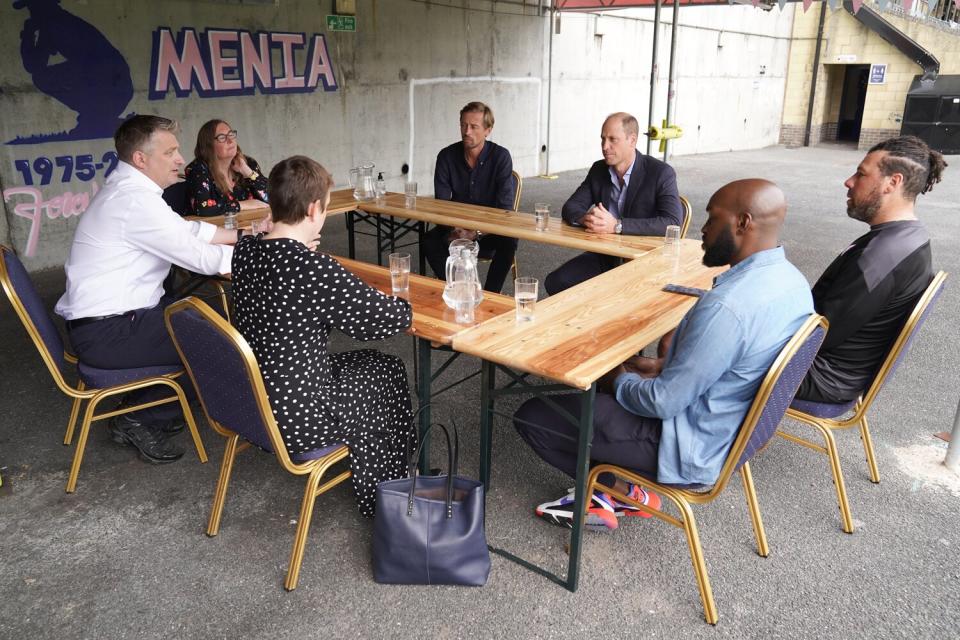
(341, 23)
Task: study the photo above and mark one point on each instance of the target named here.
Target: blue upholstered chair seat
(822, 409)
(102, 378)
(314, 454)
(225, 372)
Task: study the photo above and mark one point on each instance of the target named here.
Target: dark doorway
(851, 102)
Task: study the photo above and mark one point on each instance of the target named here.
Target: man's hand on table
(599, 220)
(462, 234)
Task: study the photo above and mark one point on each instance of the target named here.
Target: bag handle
(453, 454)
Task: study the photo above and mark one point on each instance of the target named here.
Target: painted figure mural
(72, 62)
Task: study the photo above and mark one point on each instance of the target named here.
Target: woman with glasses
(221, 179)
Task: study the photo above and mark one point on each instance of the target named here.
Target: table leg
(587, 400)
(423, 399)
(379, 241)
(351, 241)
(421, 230)
(488, 374)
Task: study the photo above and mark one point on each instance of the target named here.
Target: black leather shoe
(148, 440)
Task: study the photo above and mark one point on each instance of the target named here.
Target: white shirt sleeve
(163, 233)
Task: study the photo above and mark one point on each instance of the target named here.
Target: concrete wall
(846, 41)
(393, 90)
(731, 76)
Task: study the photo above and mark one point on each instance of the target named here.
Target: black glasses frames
(223, 137)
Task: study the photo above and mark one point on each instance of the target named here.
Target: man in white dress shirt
(122, 251)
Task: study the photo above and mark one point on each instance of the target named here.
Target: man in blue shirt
(474, 171)
(675, 417)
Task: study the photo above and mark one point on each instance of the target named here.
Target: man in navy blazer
(626, 192)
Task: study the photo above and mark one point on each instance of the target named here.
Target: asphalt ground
(126, 556)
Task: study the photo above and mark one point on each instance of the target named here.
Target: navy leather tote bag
(429, 529)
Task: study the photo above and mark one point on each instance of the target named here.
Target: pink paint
(289, 79)
(319, 64)
(256, 59)
(220, 63)
(183, 65)
(61, 206)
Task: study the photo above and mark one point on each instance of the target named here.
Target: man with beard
(675, 417)
(474, 171)
(871, 287)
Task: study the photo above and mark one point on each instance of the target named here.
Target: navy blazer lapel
(636, 178)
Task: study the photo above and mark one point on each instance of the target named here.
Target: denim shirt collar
(759, 259)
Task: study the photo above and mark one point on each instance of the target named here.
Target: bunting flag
(834, 4)
(907, 6)
(782, 4)
(882, 4)
(756, 3)
(856, 5)
(806, 5)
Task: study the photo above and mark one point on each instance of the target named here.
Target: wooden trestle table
(575, 338)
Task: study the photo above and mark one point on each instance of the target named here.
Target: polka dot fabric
(288, 299)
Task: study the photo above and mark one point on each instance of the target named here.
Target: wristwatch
(618, 228)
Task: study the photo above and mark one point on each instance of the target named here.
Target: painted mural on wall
(233, 62)
(70, 60)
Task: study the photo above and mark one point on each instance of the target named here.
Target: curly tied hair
(920, 166)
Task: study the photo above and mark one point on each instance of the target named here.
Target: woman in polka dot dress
(288, 298)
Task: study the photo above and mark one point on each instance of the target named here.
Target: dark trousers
(136, 339)
(574, 271)
(501, 249)
(619, 437)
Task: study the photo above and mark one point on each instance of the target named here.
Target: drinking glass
(542, 212)
(400, 273)
(230, 220)
(525, 294)
(410, 193)
(671, 240)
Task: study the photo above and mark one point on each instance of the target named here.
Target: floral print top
(204, 197)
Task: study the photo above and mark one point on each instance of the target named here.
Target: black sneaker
(149, 440)
(171, 427)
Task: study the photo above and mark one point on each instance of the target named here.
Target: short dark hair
(135, 133)
(479, 107)
(294, 184)
(920, 166)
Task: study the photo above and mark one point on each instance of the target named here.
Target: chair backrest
(176, 196)
(774, 395)
(33, 314)
(516, 197)
(225, 374)
(901, 346)
(687, 216)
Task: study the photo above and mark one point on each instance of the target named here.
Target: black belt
(79, 322)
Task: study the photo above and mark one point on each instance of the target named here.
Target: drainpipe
(546, 169)
(672, 86)
(816, 70)
(653, 72)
